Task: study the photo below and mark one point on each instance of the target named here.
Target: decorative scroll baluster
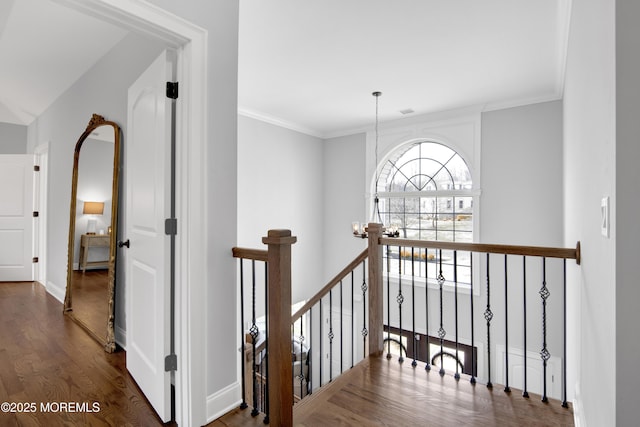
(400, 300)
(427, 367)
(488, 315)
(243, 404)
(441, 332)
(389, 300)
(564, 334)
(473, 348)
(455, 282)
(331, 335)
(544, 353)
(363, 287)
(353, 316)
(525, 392)
(507, 389)
(254, 332)
(414, 363)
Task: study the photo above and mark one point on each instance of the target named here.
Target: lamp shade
(93, 208)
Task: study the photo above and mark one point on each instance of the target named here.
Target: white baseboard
(121, 337)
(223, 401)
(55, 291)
(578, 410)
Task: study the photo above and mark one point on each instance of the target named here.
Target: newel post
(376, 311)
(279, 360)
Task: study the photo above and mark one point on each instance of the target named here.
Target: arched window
(425, 190)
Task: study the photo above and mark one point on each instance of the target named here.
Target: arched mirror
(89, 299)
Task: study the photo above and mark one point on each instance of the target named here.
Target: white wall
(590, 174)
(626, 212)
(13, 138)
(280, 186)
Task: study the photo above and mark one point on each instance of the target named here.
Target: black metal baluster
(254, 332)
(331, 335)
(363, 287)
(303, 361)
(389, 300)
(525, 392)
(488, 315)
(544, 353)
(309, 359)
(321, 340)
(414, 363)
(455, 282)
(427, 367)
(266, 341)
(353, 325)
(341, 329)
(564, 334)
(244, 404)
(399, 300)
(473, 348)
(507, 389)
(441, 332)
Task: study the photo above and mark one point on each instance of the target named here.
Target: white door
(147, 178)
(16, 217)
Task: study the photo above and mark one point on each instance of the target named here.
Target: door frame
(190, 41)
(41, 154)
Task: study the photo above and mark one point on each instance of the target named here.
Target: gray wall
(280, 185)
(13, 139)
(590, 175)
(627, 207)
(220, 19)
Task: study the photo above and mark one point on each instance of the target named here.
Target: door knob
(125, 243)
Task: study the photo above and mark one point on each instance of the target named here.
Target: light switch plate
(604, 215)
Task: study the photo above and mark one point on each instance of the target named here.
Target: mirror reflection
(91, 272)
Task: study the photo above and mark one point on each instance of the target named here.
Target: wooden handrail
(247, 253)
(541, 251)
(325, 290)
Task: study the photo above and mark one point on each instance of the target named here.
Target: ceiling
(312, 66)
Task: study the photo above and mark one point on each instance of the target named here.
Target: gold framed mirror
(93, 215)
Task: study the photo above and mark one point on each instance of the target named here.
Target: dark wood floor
(379, 392)
(47, 360)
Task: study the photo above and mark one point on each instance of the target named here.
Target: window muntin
(425, 190)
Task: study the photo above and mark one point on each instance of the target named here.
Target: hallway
(52, 373)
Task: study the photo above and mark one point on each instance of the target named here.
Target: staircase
(344, 370)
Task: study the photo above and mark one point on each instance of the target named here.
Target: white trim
(191, 43)
(578, 408)
(223, 401)
(263, 117)
(56, 291)
(41, 153)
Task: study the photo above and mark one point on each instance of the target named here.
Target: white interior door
(147, 178)
(16, 217)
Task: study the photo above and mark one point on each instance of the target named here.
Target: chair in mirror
(89, 298)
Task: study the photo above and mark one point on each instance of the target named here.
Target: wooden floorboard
(48, 360)
(381, 392)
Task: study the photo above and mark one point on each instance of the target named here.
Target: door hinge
(172, 90)
(171, 226)
(36, 214)
(36, 168)
(171, 363)
(35, 260)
